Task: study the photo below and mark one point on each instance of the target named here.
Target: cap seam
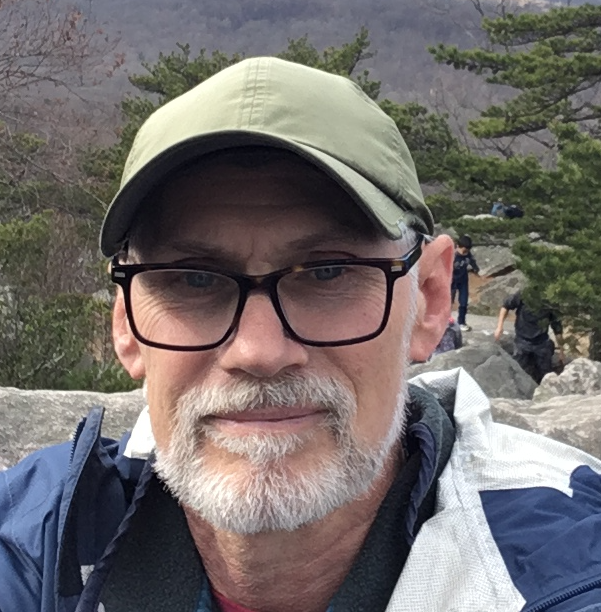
(252, 85)
(264, 66)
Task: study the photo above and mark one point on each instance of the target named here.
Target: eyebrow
(301, 245)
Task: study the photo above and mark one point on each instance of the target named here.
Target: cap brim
(384, 212)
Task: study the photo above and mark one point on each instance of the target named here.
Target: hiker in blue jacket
(463, 263)
(275, 275)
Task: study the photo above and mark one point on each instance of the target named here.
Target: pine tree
(552, 61)
(428, 134)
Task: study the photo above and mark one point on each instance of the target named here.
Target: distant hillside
(400, 30)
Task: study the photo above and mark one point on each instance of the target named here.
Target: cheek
(376, 373)
(168, 376)
(384, 373)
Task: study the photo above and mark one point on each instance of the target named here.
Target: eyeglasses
(335, 302)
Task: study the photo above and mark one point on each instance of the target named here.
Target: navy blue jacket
(462, 264)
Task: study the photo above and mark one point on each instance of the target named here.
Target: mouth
(288, 420)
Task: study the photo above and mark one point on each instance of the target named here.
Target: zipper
(76, 435)
(557, 599)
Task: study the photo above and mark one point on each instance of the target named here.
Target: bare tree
(49, 54)
(43, 43)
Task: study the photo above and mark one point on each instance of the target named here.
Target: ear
(434, 297)
(126, 345)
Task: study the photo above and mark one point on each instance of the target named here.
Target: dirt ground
(476, 282)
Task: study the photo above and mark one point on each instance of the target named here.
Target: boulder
(480, 217)
(479, 336)
(553, 247)
(439, 230)
(104, 295)
(491, 367)
(580, 377)
(494, 260)
(33, 419)
(571, 419)
(490, 296)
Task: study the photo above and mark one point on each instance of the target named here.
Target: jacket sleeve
(473, 264)
(30, 494)
(555, 323)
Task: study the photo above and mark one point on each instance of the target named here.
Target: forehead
(279, 188)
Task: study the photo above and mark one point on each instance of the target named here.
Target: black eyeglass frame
(123, 274)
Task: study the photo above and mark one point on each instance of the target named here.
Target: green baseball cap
(325, 119)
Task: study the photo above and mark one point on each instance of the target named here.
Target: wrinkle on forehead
(273, 191)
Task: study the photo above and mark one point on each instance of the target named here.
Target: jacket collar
(106, 470)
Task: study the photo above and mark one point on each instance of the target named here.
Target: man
(533, 348)
(463, 263)
(274, 281)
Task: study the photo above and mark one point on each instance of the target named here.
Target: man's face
(264, 432)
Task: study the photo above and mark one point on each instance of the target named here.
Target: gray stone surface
(33, 419)
(492, 368)
(494, 260)
(491, 295)
(580, 377)
(571, 419)
(439, 229)
(478, 337)
(483, 328)
(480, 217)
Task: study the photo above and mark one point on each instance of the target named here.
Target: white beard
(269, 495)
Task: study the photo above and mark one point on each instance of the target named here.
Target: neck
(297, 571)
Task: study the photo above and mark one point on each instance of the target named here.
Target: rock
(33, 419)
(580, 377)
(490, 296)
(534, 236)
(104, 295)
(553, 247)
(492, 368)
(494, 260)
(481, 216)
(511, 412)
(571, 419)
(478, 337)
(439, 230)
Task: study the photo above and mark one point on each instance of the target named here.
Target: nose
(259, 346)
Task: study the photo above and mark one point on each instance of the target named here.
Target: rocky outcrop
(579, 377)
(571, 419)
(491, 367)
(490, 296)
(494, 260)
(32, 419)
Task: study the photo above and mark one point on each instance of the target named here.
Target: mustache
(288, 390)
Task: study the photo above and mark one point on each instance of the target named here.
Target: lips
(268, 414)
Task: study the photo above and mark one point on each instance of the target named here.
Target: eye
(199, 280)
(330, 273)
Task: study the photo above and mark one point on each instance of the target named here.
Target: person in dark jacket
(463, 263)
(533, 348)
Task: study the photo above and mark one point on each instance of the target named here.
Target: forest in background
(495, 99)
